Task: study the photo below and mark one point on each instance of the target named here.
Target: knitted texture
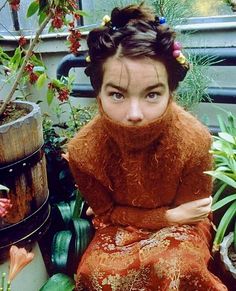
(130, 175)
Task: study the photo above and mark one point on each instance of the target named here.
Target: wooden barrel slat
(19, 139)
(22, 137)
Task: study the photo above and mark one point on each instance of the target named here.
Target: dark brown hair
(133, 32)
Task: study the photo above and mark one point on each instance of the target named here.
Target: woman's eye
(153, 96)
(116, 96)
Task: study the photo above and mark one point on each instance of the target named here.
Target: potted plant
(71, 233)
(224, 199)
(22, 160)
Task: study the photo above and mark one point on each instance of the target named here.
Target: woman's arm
(96, 195)
(193, 198)
(190, 205)
(99, 199)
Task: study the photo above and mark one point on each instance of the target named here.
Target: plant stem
(27, 57)
(8, 286)
(73, 116)
(4, 4)
(3, 281)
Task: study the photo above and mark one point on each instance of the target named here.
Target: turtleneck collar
(131, 137)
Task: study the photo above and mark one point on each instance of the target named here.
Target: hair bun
(121, 17)
(99, 42)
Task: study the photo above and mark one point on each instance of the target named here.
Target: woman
(140, 164)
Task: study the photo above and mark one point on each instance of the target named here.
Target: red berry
(22, 41)
(33, 78)
(15, 4)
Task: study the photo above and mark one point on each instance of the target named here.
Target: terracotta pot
(224, 247)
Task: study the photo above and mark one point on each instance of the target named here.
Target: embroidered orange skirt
(127, 259)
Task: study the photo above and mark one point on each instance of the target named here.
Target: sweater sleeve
(96, 195)
(154, 219)
(194, 183)
(99, 199)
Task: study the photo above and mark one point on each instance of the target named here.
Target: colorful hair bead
(181, 59)
(88, 60)
(177, 54)
(105, 20)
(162, 20)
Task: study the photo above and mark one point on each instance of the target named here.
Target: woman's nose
(134, 114)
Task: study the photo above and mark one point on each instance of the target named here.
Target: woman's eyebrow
(155, 86)
(117, 87)
(149, 88)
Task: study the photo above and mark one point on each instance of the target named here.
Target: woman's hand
(89, 211)
(190, 212)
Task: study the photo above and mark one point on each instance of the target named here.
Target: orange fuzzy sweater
(131, 175)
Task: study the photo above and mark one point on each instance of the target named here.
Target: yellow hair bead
(105, 20)
(181, 59)
(88, 60)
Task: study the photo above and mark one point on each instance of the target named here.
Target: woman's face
(134, 91)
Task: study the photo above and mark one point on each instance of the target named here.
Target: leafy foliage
(56, 135)
(24, 67)
(69, 234)
(224, 152)
(59, 281)
(175, 11)
(193, 89)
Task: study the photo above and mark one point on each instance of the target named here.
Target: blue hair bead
(162, 20)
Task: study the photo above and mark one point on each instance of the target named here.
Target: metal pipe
(15, 20)
(225, 56)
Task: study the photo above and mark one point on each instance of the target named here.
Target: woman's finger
(89, 211)
(204, 202)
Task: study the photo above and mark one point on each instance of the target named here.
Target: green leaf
(59, 282)
(222, 169)
(223, 202)
(4, 188)
(82, 230)
(57, 83)
(222, 177)
(81, 12)
(224, 223)
(42, 17)
(16, 59)
(65, 211)
(221, 124)
(219, 192)
(41, 81)
(232, 164)
(223, 146)
(60, 250)
(50, 95)
(33, 8)
(79, 204)
(227, 137)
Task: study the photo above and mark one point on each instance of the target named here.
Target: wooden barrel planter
(23, 171)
